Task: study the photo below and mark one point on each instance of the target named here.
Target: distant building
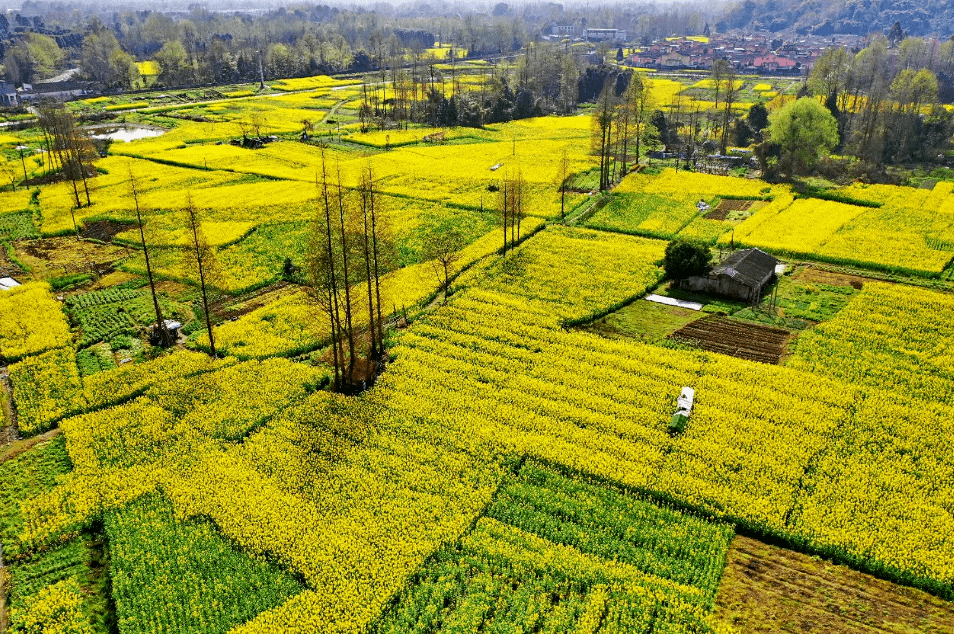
(774, 62)
(565, 30)
(674, 60)
(8, 94)
(604, 35)
(743, 275)
(60, 91)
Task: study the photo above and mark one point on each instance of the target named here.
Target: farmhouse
(743, 275)
(603, 35)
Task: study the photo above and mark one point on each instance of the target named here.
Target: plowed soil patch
(770, 589)
(736, 338)
(819, 276)
(726, 206)
(104, 230)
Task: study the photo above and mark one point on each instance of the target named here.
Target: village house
(743, 275)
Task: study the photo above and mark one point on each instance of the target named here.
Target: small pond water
(125, 133)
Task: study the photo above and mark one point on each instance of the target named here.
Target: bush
(685, 258)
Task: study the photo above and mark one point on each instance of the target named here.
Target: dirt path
(17, 447)
(3, 595)
(771, 589)
(8, 415)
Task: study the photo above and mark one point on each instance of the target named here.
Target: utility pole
(261, 71)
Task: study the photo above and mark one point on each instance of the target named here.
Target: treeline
(199, 46)
(548, 78)
(850, 17)
(888, 99)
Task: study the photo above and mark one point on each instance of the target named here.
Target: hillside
(827, 17)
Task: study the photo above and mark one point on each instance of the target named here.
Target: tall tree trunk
(346, 282)
(373, 352)
(505, 209)
(199, 256)
(332, 280)
(377, 274)
(164, 338)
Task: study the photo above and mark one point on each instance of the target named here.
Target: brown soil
(104, 230)
(46, 179)
(722, 211)
(52, 257)
(171, 288)
(3, 599)
(771, 589)
(740, 339)
(821, 276)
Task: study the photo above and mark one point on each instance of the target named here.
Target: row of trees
(415, 88)
(622, 125)
(349, 251)
(68, 149)
(885, 104)
(204, 47)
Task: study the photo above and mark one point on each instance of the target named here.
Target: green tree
(602, 130)
(685, 258)
(758, 118)
(105, 62)
(35, 56)
(173, 63)
(830, 75)
(805, 131)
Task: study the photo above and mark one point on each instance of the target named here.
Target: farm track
(770, 589)
(8, 421)
(3, 595)
(753, 342)
(18, 447)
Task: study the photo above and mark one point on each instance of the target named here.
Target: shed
(743, 275)
(172, 327)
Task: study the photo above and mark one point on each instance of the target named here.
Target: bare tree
(603, 117)
(322, 272)
(73, 148)
(442, 244)
(511, 200)
(10, 171)
(161, 331)
(563, 177)
(730, 92)
(375, 253)
(200, 260)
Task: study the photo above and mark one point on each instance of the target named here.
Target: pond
(125, 132)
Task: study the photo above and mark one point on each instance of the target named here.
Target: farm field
(735, 338)
(508, 464)
(771, 589)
